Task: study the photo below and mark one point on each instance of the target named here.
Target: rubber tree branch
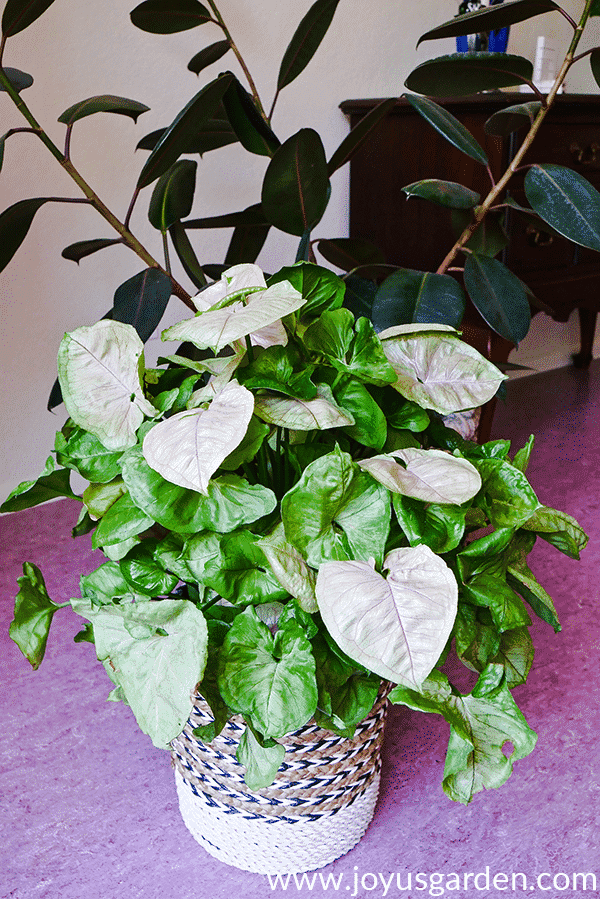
(497, 190)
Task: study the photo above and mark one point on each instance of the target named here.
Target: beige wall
(77, 50)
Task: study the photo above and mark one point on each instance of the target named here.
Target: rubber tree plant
(286, 519)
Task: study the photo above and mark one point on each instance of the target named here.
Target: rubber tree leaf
(499, 296)
(595, 62)
(248, 237)
(409, 296)
(360, 293)
(141, 301)
(595, 8)
(175, 139)
(250, 217)
(505, 121)
(187, 255)
(358, 135)
(463, 74)
(295, 189)
(489, 239)
(270, 679)
(173, 195)
(216, 328)
(305, 42)
(157, 669)
(261, 760)
(441, 372)
(490, 19)
(19, 14)
(449, 127)
(559, 529)
(99, 373)
(248, 124)
(50, 485)
(320, 413)
(348, 253)
(211, 134)
(103, 103)
(169, 16)
(18, 79)
(14, 225)
(189, 447)
(290, 569)
(82, 248)
(231, 501)
(430, 475)
(569, 203)
(34, 611)
(398, 625)
(443, 193)
(208, 56)
(335, 511)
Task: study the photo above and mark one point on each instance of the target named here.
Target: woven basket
(317, 809)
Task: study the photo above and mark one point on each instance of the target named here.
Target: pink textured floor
(89, 806)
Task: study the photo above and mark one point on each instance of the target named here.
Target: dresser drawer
(571, 144)
(533, 248)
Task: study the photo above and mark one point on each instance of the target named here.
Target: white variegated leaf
(239, 280)
(99, 370)
(223, 370)
(395, 626)
(187, 448)
(441, 372)
(271, 335)
(430, 475)
(303, 415)
(217, 328)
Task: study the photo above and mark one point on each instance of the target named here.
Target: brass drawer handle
(536, 237)
(589, 155)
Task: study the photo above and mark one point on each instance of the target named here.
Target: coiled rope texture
(316, 810)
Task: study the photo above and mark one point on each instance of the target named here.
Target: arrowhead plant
(288, 523)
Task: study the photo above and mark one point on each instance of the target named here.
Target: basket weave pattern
(318, 807)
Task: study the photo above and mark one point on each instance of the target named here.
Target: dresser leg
(587, 327)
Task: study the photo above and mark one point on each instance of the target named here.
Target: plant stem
(128, 238)
(493, 195)
(240, 59)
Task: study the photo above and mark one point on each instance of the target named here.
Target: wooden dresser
(415, 234)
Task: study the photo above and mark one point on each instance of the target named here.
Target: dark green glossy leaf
(247, 240)
(595, 8)
(19, 80)
(239, 574)
(208, 55)
(489, 239)
(282, 369)
(409, 296)
(173, 195)
(251, 217)
(186, 255)
(449, 127)
(490, 19)
(19, 14)
(34, 611)
(248, 124)
(569, 203)
(595, 63)
(512, 118)
(169, 16)
(104, 103)
(78, 251)
(210, 135)
(176, 138)
(14, 225)
(2, 142)
(360, 293)
(444, 193)
(295, 189)
(349, 253)
(358, 135)
(261, 760)
(144, 574)
(499, 296)
(305, 42)
(50, 485)
(463, 74)
(304, 248)
(141, 301)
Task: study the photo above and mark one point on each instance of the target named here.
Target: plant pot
(319, 806)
